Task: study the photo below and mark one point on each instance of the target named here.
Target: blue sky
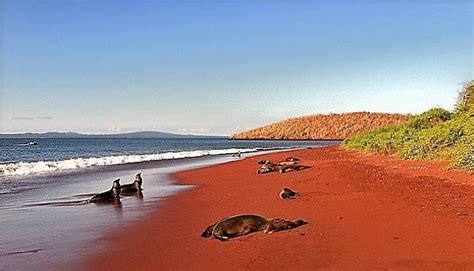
(216, 67)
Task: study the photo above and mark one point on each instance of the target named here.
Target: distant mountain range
(143, 134)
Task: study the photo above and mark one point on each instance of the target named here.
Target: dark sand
(364, 212)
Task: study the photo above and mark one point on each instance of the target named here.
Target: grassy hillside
(333, 126)
(434, 135)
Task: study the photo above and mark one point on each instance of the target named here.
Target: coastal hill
(323, 127)
(143, 134)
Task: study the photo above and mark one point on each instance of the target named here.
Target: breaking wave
(41, 167)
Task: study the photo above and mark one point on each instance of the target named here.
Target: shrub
(429, 118)
(466, 97)
(434, 135)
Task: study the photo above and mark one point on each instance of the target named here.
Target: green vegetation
(466, 97)
(434, 135)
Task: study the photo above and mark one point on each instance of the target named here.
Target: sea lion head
(116, 188)
(263, 162)
(299, 222)
(208, 231)
(292, 159)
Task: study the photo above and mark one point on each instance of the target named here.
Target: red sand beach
(364, 212)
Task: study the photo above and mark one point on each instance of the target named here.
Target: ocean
(46, 221)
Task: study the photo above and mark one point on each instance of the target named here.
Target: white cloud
(33, 118)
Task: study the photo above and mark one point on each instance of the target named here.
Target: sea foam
(42, 167)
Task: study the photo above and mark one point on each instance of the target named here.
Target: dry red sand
(364, 212)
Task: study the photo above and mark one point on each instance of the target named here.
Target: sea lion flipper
(222, 238)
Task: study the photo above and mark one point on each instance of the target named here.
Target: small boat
(31, 143)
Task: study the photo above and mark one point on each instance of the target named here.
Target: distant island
(323, 127)
(142, 134)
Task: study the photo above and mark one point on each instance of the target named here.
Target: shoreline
(285, 139)
(363, 212)
(57, 206)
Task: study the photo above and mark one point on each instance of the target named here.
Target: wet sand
(364, 212)
(48, 223)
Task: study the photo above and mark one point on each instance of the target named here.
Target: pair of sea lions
(114, 193)
(239, 225)
(290, 164)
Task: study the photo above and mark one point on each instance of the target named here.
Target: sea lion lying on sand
(285, 169)
(244, 224)
(287, 163)
(278, 224)
(292, 159)
(287, 193)
(264, 162)
(268, 166)
(111, 195)
(134, 187)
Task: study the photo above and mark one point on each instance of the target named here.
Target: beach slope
(364, 212)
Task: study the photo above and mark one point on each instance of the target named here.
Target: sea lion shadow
(88, 195)
(58, 203)
(298, 168)
(114, 202)
(135, 194)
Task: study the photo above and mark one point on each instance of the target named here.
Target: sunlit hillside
(332, 126)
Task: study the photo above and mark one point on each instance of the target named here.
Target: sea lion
(287, 193)
(111, 195)
(238, 154)
(287, 163)
(285, 169)
(267, 168)
(134, 187)
(278, 224)
(235, 226)
(264, 169)
(292, 159)
(238, 225)
(264, 162)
